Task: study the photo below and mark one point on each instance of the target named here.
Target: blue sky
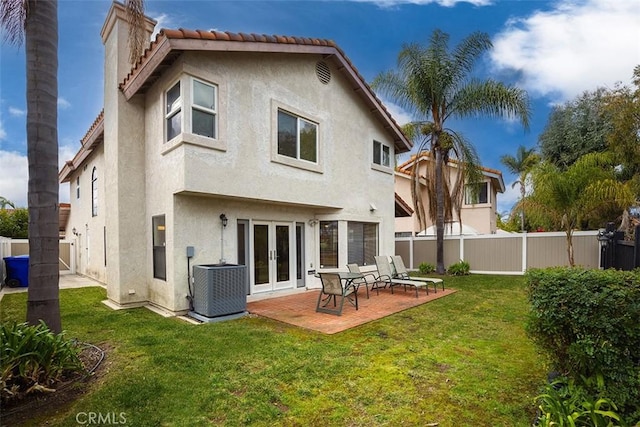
(554, 49)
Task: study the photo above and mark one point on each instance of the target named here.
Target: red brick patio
(300, 309)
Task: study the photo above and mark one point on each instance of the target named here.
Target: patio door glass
(272, 256)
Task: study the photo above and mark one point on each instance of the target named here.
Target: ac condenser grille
(219, 289)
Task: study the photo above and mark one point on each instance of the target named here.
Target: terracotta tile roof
(169, 44)
(403, 168)
(93, 137)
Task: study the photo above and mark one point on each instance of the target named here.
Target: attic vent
(323, 72)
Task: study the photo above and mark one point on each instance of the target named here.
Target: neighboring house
(478, 215)
(266, 151)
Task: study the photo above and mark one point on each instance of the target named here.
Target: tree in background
(435, 84)
(38, 22)
(521, 165)
(563, 199)
(622, 106)
(14, 223)
(575, 128)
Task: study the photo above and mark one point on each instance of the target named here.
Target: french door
(273, 262)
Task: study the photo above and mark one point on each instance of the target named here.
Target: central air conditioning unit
(219, 290)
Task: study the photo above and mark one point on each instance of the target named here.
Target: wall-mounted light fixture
(372, 207)
(74, 231)
(313, 222)
(224, 220)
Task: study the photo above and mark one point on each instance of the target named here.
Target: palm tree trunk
(41, 38)
(439, 209)
(522, 194)
(570, 247)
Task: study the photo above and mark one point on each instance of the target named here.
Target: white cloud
(163, 21)
(576, 46)
(508, 199)
(14, 177)
(63, 103)
(399, 115)
(17, 112)
(444, 3)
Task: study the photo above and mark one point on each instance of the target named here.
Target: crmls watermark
(99, 418)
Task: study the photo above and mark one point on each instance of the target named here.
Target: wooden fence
(503, 253)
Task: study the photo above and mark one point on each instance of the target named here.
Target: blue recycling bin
(17, 271)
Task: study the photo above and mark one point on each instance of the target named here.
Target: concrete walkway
(67, 281)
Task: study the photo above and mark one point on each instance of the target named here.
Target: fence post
(636, 247)
(524, 251)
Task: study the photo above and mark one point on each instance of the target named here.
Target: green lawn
(463, 360)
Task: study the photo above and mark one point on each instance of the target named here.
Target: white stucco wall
(192, 184)
(89, 238)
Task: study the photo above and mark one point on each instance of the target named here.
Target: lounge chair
(368, 279)
(386, 274)
(403, 273)
(333, 288)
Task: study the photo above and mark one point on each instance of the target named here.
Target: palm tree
(38, 21)
(521, 165)
(6, 202)
(564, 199)
(435, 84)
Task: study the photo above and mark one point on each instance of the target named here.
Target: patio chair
(401, 272)
(332, 289)
(386, 274)
(368, 279)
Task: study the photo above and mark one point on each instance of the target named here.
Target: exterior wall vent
(323, 72)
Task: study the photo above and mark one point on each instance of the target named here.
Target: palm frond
(493, 99)
(137, 31)
(13, 14)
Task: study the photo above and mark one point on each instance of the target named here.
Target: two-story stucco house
(263, 151)
(478, 211)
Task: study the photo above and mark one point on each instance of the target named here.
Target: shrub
(587, 320)
(565, 403)
(32, 358)
(460, 268)
(426, 268)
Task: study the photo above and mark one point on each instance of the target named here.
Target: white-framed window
(476, 193)
(203, 109)
(173, 111)
(94, 192)
(381, 154)
(362, 242)
(201, 105)
(297, 137)
(77, 187)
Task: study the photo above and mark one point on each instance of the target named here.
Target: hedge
(589, 323)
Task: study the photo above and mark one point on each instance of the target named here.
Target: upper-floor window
(381, 154)
(77, 187)
(94, 192)
(173, 112)
(202, 106)
(203, 109)
(476, 193)
(297, 137)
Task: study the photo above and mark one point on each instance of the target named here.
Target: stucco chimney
(124, 174)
